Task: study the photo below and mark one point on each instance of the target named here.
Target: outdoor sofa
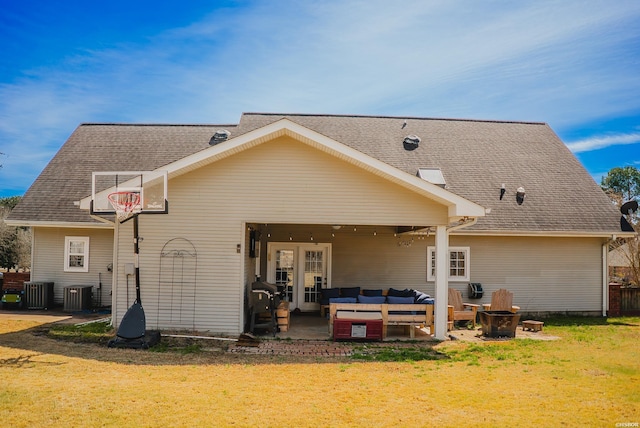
(407, 307)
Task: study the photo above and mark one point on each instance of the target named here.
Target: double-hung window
(76, 254)
(457, 264)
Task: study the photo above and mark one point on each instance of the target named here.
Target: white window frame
(431, 267)
(68, 240)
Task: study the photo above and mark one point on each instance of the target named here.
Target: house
(311, 201)
(620, 266)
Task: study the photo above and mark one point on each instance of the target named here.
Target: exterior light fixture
(503, 190)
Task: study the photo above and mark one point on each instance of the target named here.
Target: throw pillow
(400, 293)
(395, 300)
(350, 292)
(328, 293)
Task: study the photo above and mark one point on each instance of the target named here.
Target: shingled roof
(476, 157)
(104, 147)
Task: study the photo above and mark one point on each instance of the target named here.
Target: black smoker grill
(263, 301)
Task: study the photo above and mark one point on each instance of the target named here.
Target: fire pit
(499, 323)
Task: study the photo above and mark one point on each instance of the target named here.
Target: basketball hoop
(125, 204)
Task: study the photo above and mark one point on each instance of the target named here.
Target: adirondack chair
(462, 311)
(501, 300)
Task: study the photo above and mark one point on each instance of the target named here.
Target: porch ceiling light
(336, 227)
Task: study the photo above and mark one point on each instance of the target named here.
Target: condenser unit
(38, 295)
(77, 298)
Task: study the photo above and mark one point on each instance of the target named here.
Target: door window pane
(313, 275)
(284, 273)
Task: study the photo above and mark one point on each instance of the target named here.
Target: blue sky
(572, 64)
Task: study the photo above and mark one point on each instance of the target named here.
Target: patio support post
(442, 284)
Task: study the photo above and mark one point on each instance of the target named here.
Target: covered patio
(301, 260)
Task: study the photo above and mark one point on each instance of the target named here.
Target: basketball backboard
(144, 191)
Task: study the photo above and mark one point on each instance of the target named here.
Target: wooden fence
(630, 301)
(623, 300)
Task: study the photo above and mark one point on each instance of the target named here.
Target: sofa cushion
(371, 299)
(350, 292)
(395, 300)
(343, 300)
(400, 293)
(328, 293)
(371, 292)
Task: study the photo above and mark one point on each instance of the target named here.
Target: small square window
(458, 263)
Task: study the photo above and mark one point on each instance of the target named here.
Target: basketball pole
(132, 330)
(136, 252)
(136, 257)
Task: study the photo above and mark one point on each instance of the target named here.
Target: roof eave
(63, 224)
(548, 233)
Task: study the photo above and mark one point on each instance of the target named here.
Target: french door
(300, 271)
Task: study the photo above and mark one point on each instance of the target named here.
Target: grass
(589, 377)
(96, 332)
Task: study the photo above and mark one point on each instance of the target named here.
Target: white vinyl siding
(545, 274)
(48, 245)
(296, 190)
(278, 182)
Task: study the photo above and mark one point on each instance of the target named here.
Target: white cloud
(559, 62)
(596, 143)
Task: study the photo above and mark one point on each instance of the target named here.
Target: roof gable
(458, 206)
(476, 157)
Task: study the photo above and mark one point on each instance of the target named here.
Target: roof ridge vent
(219, 136)
(411, 142)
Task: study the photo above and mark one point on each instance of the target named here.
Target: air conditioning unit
(77, 298)
(38, 295)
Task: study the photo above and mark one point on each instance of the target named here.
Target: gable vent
(220, 136)
(411, 142)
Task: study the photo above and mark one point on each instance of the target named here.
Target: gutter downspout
(605, 275)
(115, 273)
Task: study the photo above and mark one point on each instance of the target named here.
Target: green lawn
(589, 377)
